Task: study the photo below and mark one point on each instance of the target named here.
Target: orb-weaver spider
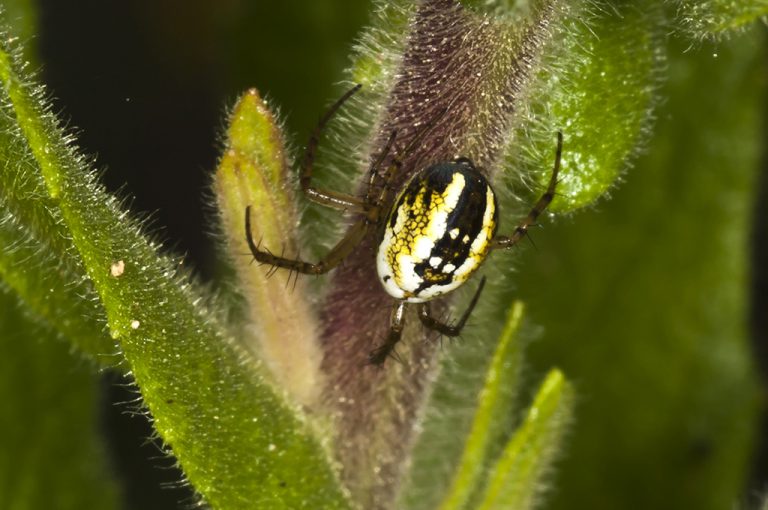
(435, 236)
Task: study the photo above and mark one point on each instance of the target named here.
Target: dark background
(148, 84)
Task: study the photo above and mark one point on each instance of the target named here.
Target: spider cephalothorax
(438, 232)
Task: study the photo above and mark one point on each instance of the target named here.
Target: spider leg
(385, 181)
(444, 328)
(333, 199)
(387, 178)
(522, 228)
(374, 172)
(396, 323)
(337, 254)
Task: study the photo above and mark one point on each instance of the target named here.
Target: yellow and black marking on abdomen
(438, 232)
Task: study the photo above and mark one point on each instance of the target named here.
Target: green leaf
(38, 259)
(653, 289)
(516, 479)
(45, 274)
(238, 442)
(713, 19)
(490, 424)
(597, 85)
(52, 456)
(23, 16)
(375, 55)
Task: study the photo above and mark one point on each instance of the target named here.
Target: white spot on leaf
(117, 268)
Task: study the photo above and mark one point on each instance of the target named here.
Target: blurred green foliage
(51, 453)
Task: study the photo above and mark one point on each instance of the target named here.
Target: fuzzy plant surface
(262, 390)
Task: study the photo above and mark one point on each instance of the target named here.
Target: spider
(440, 228)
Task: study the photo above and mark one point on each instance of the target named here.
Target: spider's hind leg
(446, 328)
(397, 321)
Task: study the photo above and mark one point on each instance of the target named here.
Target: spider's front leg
(342, 201)
(333, 199)
(338, 253)
(538, 208)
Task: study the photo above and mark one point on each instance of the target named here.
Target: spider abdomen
(438, 232)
